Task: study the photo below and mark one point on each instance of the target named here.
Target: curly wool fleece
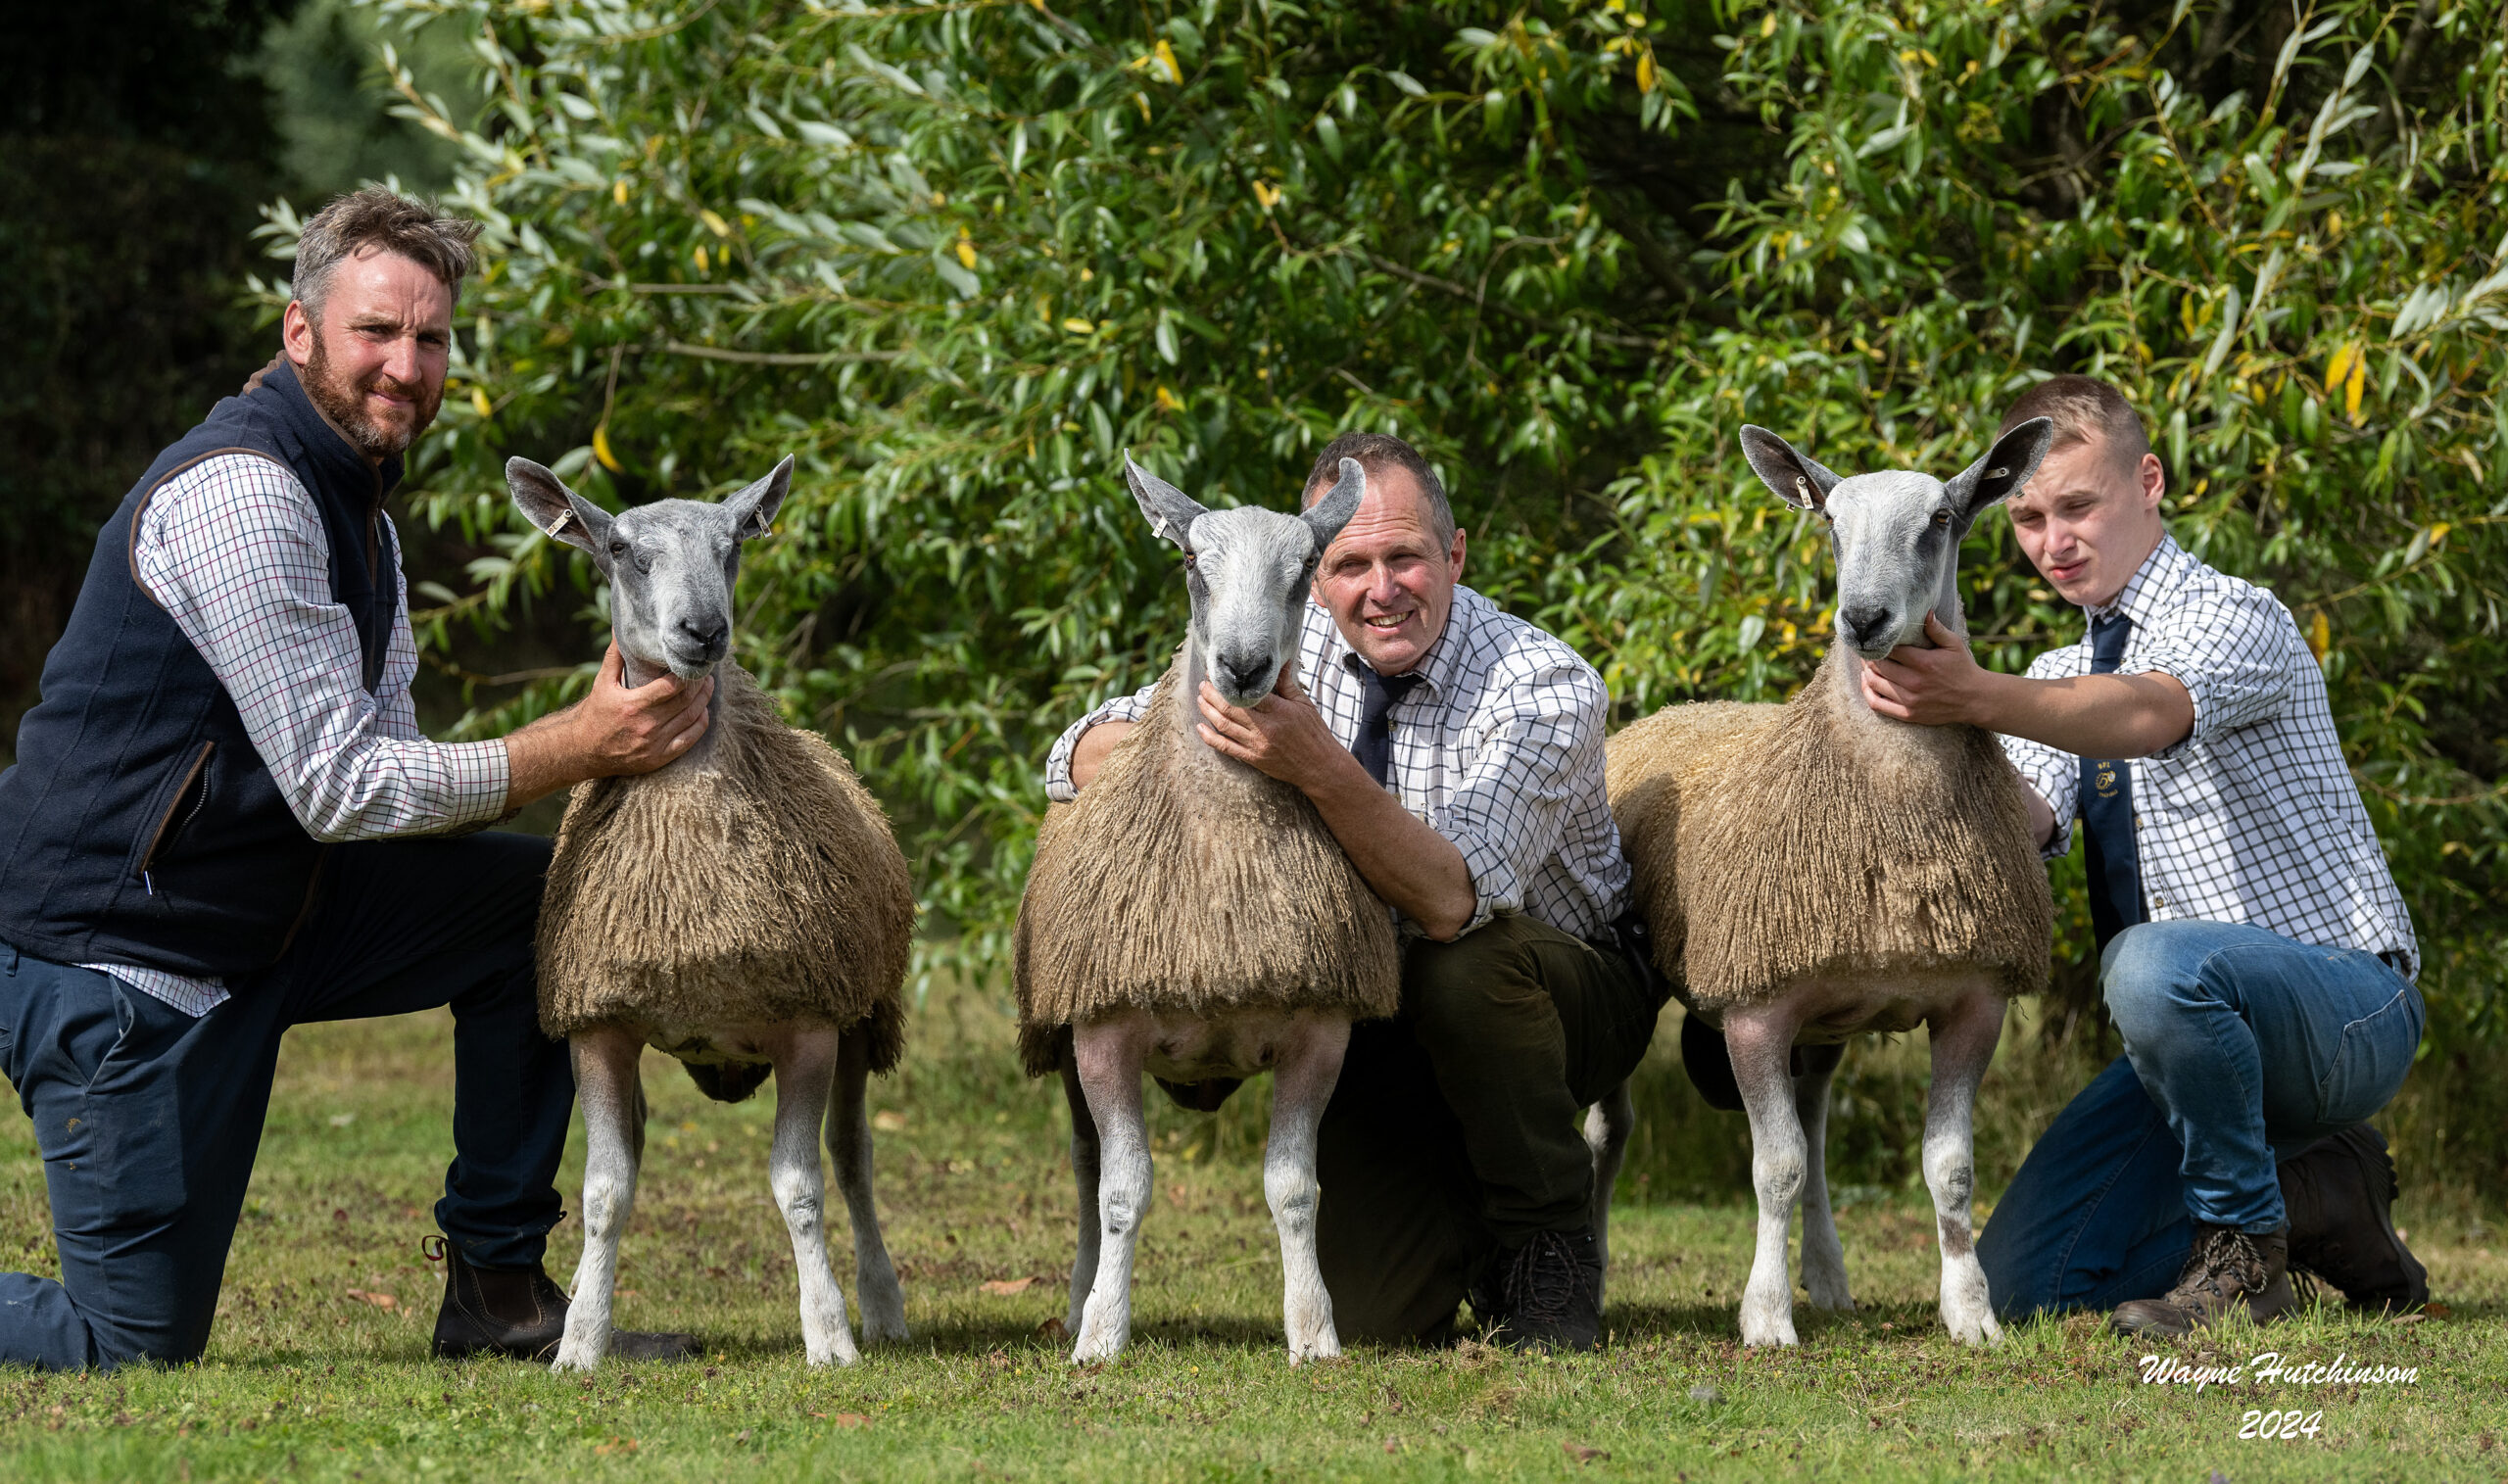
(758, 884)
(1178, 880)
(1773, 843)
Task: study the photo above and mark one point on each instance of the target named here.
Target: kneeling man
(2254, 953)
(1456, 752)
(223, 822)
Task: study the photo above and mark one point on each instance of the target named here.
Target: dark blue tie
(1373, 747)
(2107, 809)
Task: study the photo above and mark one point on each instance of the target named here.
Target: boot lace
(2226, 1266)
(1544, 1280)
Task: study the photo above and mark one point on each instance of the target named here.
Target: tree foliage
(957, 256)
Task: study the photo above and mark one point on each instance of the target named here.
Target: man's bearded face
(374, 361)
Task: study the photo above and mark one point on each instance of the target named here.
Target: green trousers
(1455, 1133)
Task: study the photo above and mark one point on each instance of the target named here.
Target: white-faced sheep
(743, 909)
(1191, 917)
(1813, 871)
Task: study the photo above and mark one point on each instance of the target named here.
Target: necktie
(2107, 809)
(1374, 745)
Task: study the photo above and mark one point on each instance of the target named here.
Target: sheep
(743, 908)
(1192, 917)
(1813, 871)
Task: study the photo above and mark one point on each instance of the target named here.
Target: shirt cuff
(478, 776)
(1495, 887)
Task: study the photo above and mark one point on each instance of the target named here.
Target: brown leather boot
(2228, 1270)
(521, 1312)
(2341, 1196)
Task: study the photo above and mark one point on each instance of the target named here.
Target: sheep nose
(707, 636)
(1864, 622)
(1243, 675)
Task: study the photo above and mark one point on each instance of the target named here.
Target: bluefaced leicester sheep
(1191, 917)
(1813, 871)
(743, 909)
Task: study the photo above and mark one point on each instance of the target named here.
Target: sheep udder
(1772, 842)
(758, 883)
(1181, 881)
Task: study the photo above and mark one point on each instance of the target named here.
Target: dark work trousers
(1456, 1130)
(148, 1118)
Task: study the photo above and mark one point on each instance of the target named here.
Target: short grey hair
(386, 219)
(1377, 453)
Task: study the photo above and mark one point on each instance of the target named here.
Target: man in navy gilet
(2254, 952)
(223, 821)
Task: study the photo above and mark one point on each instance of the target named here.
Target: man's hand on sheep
(611, 733)
(1418, 871)
(1931, 687)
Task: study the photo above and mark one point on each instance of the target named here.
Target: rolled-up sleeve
(237, 553)
(1537, 751)
(2054, 774)
(2232, 649)
(1058, 784)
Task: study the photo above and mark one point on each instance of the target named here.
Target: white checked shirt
(234, 550)
(1499, 749)
(2252, 817)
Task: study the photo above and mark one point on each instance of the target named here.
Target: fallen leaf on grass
(1005, 1287)
(1054, 1329)
(1581, 1453)
(845, 1418)
(370, 1296)
(615, 1445)
(2436, 1311)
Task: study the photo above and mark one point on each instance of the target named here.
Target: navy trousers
(148, 1118)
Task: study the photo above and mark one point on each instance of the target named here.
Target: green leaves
(955, 257)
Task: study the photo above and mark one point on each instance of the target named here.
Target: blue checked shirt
(2252, 817)
(1500, 751)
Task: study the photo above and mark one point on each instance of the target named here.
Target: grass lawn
(318, 1369)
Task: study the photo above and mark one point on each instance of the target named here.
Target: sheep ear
(558, 512)
(1329, 514)
(1170, 511)
(1797, 480)
(752, 509)
(2004, 468)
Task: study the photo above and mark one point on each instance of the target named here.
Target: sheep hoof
(1767, 1325)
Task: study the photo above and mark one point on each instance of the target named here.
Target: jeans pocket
(2370, 1061)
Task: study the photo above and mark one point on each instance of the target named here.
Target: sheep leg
(805, 1070)
(1760, 1041)
(1823, 1257)
(612, 1097)
(1606, 1128)
(1083, 1174)
(1111, 1054)
(848, 1143)
(1963, 1038)
(1302, 1081)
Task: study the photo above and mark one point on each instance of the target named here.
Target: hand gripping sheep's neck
(1816, 871)
(787, 800)
(1247, 572)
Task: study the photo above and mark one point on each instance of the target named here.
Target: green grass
(306, 1380)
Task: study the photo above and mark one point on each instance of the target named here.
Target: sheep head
(671, 565)
(1247, 571)
(1897, 534)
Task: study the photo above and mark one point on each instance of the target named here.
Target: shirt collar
(2151, 583)
(1439, 667)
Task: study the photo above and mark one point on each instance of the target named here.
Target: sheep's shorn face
(1897, 534)
(1248, 570)
(671, 565)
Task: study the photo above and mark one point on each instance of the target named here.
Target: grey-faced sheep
(743, 909)
(1813, 871)
(1191, 917)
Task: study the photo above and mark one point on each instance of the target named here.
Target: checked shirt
(1499, 749)
(234, 550)
(2252, 817)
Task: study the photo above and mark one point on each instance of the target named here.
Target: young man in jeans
(2254, 953)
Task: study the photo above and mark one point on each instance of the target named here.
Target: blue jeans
(2241, 1049)
(148, 1118)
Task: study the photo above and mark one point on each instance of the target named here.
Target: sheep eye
(1942, 517)
(618, 548)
